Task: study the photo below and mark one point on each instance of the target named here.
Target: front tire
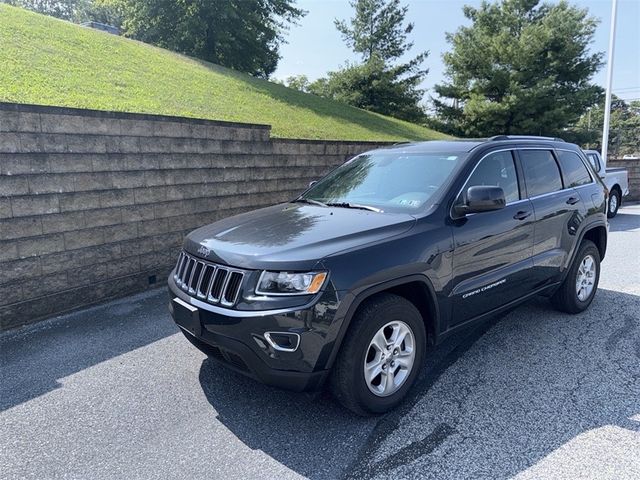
(579, 287)
(614, 203)
(381, 355)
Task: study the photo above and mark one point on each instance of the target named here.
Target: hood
(292, 235)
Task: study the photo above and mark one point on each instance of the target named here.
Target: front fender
(350, 301)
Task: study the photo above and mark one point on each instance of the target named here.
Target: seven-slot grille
(213, 283)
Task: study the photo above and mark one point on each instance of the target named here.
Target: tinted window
(574, 171)
(498, 170)
(540, 172)
(593, 159)
(393, 181)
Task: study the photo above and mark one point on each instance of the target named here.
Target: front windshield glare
(387, 181)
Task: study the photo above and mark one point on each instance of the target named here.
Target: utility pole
(607, 102)
(588, 127)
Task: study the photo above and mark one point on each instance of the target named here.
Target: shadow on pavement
(624, 222)
(33, 360)
(501, 401)
(504, 398)
(309, 433)
(537, 396)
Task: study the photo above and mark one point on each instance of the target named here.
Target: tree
(241, 34)
(520, 68)
(375, 87)
(377, 29)
(379, 34)
(298, 82)
(64, 9)
(102, 11)
(624, 128)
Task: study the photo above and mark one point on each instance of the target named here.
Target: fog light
(283, 341)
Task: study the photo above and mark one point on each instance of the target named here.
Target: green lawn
(51, 62)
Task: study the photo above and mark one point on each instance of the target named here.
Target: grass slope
(50, 62)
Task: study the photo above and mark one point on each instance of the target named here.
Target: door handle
(521, 215)
(573, 200)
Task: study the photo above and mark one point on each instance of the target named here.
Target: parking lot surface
(115, 391)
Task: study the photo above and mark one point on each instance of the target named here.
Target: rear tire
(579, 287)
(614, 203)
(381, 355)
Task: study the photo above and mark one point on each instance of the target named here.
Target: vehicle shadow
(624, 222)
(565, 374)
(33, 359)
(309, 433)
(535, 396)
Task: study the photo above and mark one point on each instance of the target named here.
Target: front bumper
(237, 339)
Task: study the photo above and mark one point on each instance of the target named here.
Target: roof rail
(523, 137)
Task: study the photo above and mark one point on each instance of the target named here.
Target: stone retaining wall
(94, 205)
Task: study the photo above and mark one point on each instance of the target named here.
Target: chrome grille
(217, 284)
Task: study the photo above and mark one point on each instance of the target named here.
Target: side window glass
(574, 171)
(497, 169)
(593, 159)
(541, 172)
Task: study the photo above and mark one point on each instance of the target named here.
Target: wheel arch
(417, 289)
(598, 235)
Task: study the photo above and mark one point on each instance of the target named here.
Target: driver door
(492, 250)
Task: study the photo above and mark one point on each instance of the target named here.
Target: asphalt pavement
(115, 391)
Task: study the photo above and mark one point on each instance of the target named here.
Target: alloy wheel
(390, 358)
(585, 278)
(613, 203)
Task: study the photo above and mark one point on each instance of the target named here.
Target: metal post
(607, 102)
(589, 128)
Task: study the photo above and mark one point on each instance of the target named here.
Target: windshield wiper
(310, 201)
(355, 205)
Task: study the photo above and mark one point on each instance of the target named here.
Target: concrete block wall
(633, 167)
(95, 205)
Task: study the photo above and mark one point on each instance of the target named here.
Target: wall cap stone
(82, 112)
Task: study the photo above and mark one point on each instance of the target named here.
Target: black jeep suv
(386, 256)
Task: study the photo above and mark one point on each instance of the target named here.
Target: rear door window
(541, 172)
(574, 171)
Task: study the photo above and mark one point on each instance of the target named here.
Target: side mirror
(311, 184)
(481, 198)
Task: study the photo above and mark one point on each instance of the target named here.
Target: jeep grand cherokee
(386, 256)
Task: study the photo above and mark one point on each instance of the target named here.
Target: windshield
(385, 181)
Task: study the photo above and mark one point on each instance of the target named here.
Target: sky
(315, 46)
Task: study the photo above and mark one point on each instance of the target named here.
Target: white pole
(607, 102)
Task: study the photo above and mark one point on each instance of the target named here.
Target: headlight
(284, 283)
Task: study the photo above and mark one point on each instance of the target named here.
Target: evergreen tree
(377, 29)
(378, 33)
(520, 68)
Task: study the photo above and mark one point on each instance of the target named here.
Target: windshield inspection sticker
(410, 203)
(485, 288)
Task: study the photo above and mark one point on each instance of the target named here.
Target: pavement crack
(621, 333)
(408, 453)
(442, 358)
